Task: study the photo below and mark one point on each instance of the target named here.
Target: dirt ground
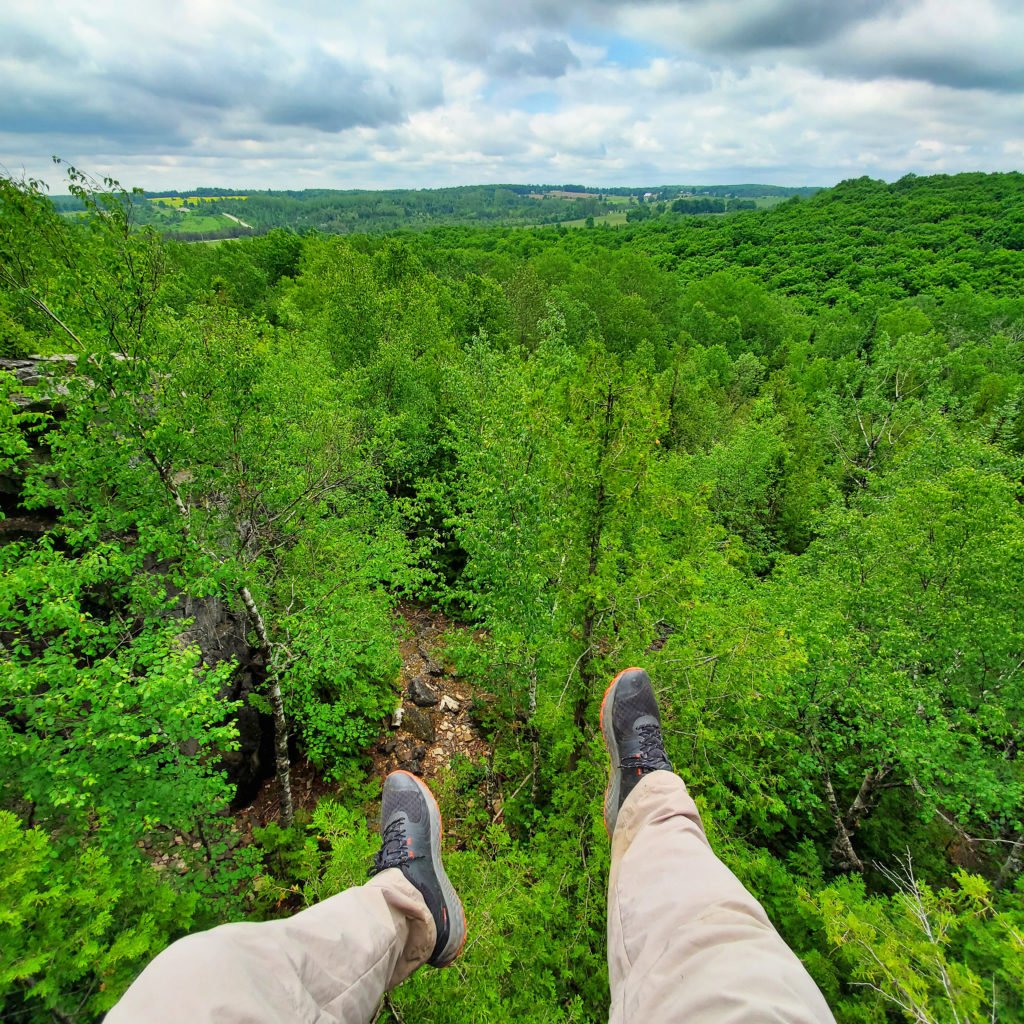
(427, 738)
(423, 737)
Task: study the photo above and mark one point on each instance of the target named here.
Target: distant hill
(211, 213)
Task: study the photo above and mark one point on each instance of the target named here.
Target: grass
(607, 218)
(205, 222)
(186, 218)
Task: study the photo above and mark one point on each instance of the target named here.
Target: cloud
(178, 81)
(754, 25)
(324, 93)
(464, 91)
(934, 41)
(546, 58)
(21, 42)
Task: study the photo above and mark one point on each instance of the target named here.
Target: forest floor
(427, 737)
(424, 739)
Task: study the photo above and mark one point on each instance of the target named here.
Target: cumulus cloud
(546, 58)
(936, 41)
(745, 25)
(328, 94)
(600, 91)
(944, 42)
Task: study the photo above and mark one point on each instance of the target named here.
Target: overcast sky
(417, 94)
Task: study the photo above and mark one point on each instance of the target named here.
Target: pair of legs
(686, 941)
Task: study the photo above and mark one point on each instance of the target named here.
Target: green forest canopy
(774, 457)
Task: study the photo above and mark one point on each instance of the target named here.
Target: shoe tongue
(645, 720)
(392, 818)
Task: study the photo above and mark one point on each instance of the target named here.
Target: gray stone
(419, 724)
(422, 693)
(430, 666)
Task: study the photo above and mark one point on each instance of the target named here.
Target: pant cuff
(657, 797)
(407, 906)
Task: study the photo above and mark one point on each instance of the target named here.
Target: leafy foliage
(774, 457)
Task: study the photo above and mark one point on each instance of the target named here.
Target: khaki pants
(686, 942)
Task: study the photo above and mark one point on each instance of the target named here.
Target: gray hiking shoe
(410, 826)
(632, 733)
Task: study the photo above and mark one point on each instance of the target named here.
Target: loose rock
(422, 693)
(447, 704)
(432, 667)
(420, 725)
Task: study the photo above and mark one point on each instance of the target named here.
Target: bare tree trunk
(844, 856)
(282, 762)
(867, 796)
(1013, 864)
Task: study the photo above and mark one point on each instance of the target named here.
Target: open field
(190, 222)
(607, 218)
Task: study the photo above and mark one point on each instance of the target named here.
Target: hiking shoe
(632, 733)
(410, 827)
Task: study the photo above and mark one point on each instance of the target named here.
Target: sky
(415, 94)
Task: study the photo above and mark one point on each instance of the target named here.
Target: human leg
(330, 963)
(686, 941)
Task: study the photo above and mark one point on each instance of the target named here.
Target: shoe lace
(393, 852)
(652, 754)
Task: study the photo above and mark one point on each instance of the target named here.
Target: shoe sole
(611, 793)
(457, 929)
